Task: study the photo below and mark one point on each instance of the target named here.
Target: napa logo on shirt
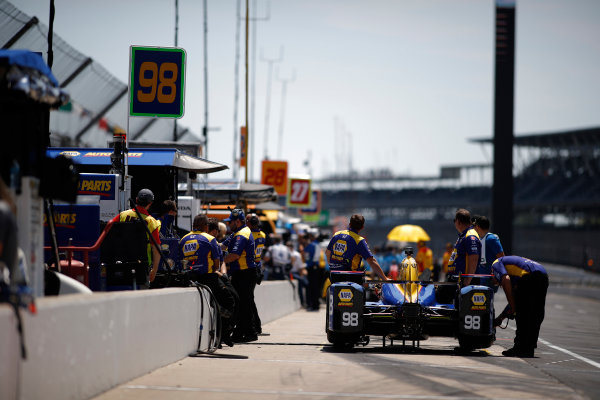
(190, 247)
(339, 248)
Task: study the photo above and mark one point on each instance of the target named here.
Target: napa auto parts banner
(76, 225)
(105, 186)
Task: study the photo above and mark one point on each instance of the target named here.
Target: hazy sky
(408, 81)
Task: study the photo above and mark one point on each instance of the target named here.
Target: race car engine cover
(476, 311)
(345, 307)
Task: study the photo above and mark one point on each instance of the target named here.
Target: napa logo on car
(345, 295)
(70, 153)
(478, 299)
(97, 184)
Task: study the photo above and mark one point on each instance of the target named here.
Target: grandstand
(556, 198)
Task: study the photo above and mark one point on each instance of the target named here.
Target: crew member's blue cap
(236, 214)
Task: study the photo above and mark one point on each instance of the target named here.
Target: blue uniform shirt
(516, 267)
(347, 249)
(467, 244)
(201, 251)
(312, 254)
(242, 244)
(490, 246)
(259, 245)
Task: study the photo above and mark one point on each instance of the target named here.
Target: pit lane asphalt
(297, 362)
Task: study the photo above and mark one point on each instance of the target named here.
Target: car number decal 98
(472, 322)
(350, 319)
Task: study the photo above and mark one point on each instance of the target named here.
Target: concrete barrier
(81, 345)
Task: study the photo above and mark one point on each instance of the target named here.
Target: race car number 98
(472, 322)
(350, 319)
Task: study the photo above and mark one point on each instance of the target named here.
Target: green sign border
(133, 49)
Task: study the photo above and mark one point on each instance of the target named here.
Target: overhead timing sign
(157, 81)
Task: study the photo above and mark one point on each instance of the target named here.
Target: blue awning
(139, 157)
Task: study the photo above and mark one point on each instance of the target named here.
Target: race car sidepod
(476, 317)
(345, 306)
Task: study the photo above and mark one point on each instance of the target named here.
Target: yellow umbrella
(408, 233)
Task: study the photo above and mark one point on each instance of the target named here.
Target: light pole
(270, 63)
(284, 83)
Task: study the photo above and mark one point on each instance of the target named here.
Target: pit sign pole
(156, 84)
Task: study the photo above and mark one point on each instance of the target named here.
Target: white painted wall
(82, 345)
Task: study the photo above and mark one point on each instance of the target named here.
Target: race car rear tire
(341, 341)
(475, 342)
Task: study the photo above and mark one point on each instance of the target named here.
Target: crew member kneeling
(525, 283)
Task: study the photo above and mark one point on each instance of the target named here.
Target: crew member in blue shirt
(241, 267)
(525, 283)
(312, 255)
(200, 255)
(491, 248)
(347, 249)
(467, 249)
(260, 238)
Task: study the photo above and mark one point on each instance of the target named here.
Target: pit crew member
(241, 267)
(467, 249)
(491, 248)
(260, 238)
(200, 254)
(347, 249)
(143, 201)
(525, 283)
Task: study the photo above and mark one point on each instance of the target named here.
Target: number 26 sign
(156, 85)
(299, 193)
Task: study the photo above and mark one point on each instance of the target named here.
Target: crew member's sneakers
(244, 338)
(250, 338)
(227, 341)
(514, 352)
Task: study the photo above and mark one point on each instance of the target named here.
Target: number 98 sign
(299, 193)
(156, 85)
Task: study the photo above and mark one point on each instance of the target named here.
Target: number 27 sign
(299, 193)
(156, 85)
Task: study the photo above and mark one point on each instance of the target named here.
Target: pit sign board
(156, 82)
(315, 204)
(299, 193)
(275, 173)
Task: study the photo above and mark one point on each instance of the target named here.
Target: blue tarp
(139, 157)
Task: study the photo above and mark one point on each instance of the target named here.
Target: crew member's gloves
(498, 320)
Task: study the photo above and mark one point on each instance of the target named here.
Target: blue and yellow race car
(408, 310)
